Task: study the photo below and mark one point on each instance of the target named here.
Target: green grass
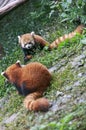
(68, 122)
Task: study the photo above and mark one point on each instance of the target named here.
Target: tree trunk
(7, 5)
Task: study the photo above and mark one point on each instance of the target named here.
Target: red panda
(30, 80)
(30, 41)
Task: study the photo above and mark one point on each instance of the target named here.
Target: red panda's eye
(30, 42)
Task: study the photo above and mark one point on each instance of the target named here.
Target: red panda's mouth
(28, 45)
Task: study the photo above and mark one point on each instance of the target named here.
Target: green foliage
(70, 121)
(74, 40)
(12, 105)
(83, 40)
(5, 87)
(58, 126)
(69, 10)
(2, 87)
(73, 10)
(66, 10)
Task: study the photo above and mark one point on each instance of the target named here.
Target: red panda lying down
(30, 80)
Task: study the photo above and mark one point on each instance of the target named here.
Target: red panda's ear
(4, 74)
(19, 39)
(18, 63)
(32, 34)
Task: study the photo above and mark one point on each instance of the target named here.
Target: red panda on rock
(30, 80)
(30, 41)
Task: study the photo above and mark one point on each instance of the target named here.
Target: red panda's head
(26, 40)
(9, 73)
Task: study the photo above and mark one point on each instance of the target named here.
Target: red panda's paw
(40, 104)
(28, 57)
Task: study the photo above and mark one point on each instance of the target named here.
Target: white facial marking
(18, 61)
(22, 45)
(28, 46)
(2, 73)
(19, 39)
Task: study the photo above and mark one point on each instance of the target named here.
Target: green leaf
(83, 41)
(69, 1)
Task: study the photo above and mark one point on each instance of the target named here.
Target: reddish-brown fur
(31, 80)
(55, 44)
(26, 38)
(36, 39)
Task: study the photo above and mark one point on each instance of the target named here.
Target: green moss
(12, 104)
(61, 79)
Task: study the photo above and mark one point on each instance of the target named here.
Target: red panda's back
(37, 75)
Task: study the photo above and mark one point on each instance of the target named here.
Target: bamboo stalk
(10, 6)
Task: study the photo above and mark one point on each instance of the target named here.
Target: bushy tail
(36, 103)
(55, 44)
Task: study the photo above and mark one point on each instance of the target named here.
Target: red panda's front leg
(28, 57)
